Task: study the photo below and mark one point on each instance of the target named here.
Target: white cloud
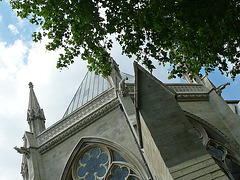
(21, 22)
(0, 19)
(54, 89)
(50, 86)
(13, 29)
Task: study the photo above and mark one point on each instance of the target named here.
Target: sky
(23, 61)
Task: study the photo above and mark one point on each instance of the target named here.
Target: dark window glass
(117, 157)
(215, 152)
(119, 173)
(233, 167)
(91, 164)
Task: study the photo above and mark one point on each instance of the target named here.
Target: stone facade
(135, 127)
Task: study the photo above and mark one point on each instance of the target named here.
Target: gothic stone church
(128, 127)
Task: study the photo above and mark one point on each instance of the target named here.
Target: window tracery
(222, 154)
(100, 163)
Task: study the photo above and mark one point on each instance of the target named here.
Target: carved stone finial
(30, 85)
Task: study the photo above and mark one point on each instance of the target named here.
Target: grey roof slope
(91, 86)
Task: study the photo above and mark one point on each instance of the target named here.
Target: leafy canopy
(189, 34)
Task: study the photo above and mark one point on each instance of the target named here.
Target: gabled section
(91, 86)
(114, 155)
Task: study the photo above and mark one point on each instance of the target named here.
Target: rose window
(100, 163)
(93, 164)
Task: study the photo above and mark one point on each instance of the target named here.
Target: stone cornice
(93, 107)
(184, 92)
(79, 125)
(192, 97)
(188, 88)
(190, 92)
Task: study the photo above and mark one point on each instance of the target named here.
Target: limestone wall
(111, 126)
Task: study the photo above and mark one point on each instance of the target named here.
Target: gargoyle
(221, 87)
(22, 150)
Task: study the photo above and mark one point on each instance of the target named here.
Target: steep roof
(91, 86)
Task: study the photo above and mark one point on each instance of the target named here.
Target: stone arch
(222, 148)
(87, 145)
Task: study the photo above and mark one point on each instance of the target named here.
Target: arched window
(102, 160)
(219, 148)
(99, 162)
(225, 161)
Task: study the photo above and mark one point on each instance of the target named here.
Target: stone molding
(82, 123)
(91, 142)
(188, 88)
(190, 92)
(235, 147)
(97, 106)
(192, 97)
(184, 92)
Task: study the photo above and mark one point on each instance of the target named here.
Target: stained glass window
(216, 152)
(98, 163)
(119, 173)
(93, 164)
(221, 155)
(233, 167)
(117, 157)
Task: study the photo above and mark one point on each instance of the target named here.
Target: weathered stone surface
(169, 127)
(112, 126)
(163, 131)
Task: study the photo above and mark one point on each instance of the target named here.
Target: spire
(35, 115)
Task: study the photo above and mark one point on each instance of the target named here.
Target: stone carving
(221, 87)
(77, 115)
(114, 65)
(23, 150)
(24, 171)
(82, 123)
(219, 132)
(123, 87)
(117, 156)
(190, 92)
(220, 150)
(107, 163)
(181, 88)
(34, 110)
(192, 97)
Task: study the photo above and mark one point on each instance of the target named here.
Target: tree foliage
(189, 34)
